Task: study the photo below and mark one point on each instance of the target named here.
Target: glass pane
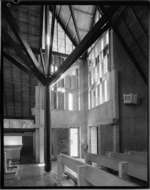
(74, 142)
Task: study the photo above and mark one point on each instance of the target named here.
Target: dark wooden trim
(47, 130)
(135, 40)
(98, 29)
(18, 130)
(51, 40)
(75, 24)
(18, 117)
(139, 22)
(17, 63)
(42, 61)
(66, 31)
(34, 64)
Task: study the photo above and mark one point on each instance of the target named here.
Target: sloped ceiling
(77, 20)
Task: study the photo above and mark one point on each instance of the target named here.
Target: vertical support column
(47, 129)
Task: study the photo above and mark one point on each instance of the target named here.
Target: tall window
(98, 72)
(65, 94)
(61, 42)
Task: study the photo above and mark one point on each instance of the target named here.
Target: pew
(136, 167)
(127, 157)
(117, 165)
(73, 164)
(143, 153)
(88, 175)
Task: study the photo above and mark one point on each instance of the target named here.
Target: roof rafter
(51, 38)
(99, 28)
(23, 42)
(17, 63)
(19, 51)
(63, 27)
(75, 24)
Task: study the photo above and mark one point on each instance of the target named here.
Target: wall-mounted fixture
(131, 99)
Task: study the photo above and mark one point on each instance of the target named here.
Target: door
(74, 142)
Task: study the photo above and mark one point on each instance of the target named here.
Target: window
(70, 101)
(98, 72)
(65, 94)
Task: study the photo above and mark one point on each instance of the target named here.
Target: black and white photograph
(74, 94)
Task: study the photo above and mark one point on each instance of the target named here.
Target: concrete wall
(133, 118)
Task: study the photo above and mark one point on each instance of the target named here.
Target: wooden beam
(41, 25)
(47, 129)
(17, 63)
(63, 27)
(18, 130)
(75, 24)
(51, 40)
(139, 22)
(18, 117)
(135, 40)
(99, 28)
(23, 42)
(19, 51)
(42, 61)
(47, 38)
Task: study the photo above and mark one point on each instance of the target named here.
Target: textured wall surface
(133, 118)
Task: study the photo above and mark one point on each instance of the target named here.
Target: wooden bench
(117, 165)
(133, 158)
(143, 153)
(74, 165)
(88, 175)
(64, 160)
(135, 168)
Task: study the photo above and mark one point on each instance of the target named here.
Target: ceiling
(19, 71)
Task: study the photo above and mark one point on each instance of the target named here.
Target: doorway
(74, 142)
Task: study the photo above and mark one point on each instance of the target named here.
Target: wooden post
(123, 167)
(60, 168)
(81, 176)
(47, 130)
